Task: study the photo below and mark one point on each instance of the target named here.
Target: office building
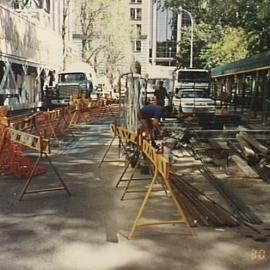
(156, 47)
(31, 50)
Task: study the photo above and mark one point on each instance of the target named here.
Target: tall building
(165, 46)
(140, 14)
(155, 49)
(31, 50)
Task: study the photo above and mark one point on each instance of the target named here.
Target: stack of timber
(200, 209)
(237, 206)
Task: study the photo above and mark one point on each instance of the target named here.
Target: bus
(192, 78)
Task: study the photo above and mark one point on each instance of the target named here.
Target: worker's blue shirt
(151, 111)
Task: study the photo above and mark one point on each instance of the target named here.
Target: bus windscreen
(193, 76)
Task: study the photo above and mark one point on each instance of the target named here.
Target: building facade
(155, 49)
(31, 50)
(140, 14)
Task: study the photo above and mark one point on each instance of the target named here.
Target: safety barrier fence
(192, 206)
(87, 110)
(14, 158)
(36, 132)
(124, 136)
(52, 123)
(161, 177)
(160, 181)
(12, 155)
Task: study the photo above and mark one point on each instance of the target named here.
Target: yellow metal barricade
(161, 171)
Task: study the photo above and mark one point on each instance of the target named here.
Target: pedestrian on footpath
(161, 94)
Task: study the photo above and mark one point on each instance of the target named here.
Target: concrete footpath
(88, 231)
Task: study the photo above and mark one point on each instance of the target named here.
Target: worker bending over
(149, 117)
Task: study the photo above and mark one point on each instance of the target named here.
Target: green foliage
(226, 18)
(202, 35)
(106, 35)
(231, 46)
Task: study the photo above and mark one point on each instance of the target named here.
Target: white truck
(193, 101)
(76, 80)
(191, 92)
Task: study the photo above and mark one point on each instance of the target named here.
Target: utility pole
(154, 36)
(170, 55)
(179, 28)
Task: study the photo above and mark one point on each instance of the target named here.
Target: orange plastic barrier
(87, 110)
(13, 158)
(3, 154)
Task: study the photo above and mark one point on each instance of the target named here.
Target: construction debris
(197, 149)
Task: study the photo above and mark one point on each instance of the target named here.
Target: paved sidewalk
(88, 231)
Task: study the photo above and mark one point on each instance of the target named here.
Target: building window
(138, 67)
(139, 13)
(138, 46)
(186, 20)
(136, 14)
(135, 1)
(37, 4)
(132, 13)
(166, 33)
(139, 29)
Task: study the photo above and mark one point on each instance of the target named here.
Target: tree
(202, 35)
(231, 46)
(90, 15)
(65, 27)
(106, 35)
(118, 39)
(249, 16)
(252, 16)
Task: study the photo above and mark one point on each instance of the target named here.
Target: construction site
(81, 190)
(127, 142)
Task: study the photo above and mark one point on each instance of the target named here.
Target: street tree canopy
(107, 35)
(249, 18)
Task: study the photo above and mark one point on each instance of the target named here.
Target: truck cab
(77, 80)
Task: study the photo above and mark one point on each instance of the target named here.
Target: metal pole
(154, 34)
(170, 55)
(179, 30)
(191, 40)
